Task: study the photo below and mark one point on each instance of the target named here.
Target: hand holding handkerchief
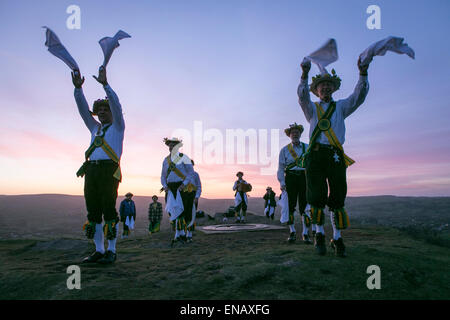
(394, 44)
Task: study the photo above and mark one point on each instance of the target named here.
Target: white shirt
(184, 165)
(344, 108)
(198, 184)
(115, 134)
(286, 158)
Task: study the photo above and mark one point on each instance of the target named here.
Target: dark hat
(334, 79)
(240, 172)
(128, 194)
(293, 126)
(167, 141)
(155, 196)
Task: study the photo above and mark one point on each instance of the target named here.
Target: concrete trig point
(228, 228)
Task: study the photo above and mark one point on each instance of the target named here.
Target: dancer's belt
(100, 162)
(100, 142)
(319, 146)
(294, 172)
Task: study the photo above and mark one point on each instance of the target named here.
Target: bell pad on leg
(110, 229)
(317, 215)
(89, 228)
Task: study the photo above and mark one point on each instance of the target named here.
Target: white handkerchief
(323, 56)
(284, 204)
(238, 199)
(108, 45)
(194, 214)
(56, 48)
(174, 206)
(394, 44)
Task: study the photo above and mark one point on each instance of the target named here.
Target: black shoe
(189, 239)
(93, 257)
(306, 239)
(182, 239)
(292, 237)
(319, 244)
(108, 258)
(338, 247)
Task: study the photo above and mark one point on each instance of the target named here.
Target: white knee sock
(319, 229)
(112, 243)
(292, 228)
(189, 234)
(336, 232)
(99, 239)
(313, 227)
(177, 233)
(305, 228)
(182, 233)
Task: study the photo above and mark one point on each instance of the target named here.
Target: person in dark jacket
(270, 203)
(127, 209)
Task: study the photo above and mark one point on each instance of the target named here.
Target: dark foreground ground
(408, 238)
(247, 265)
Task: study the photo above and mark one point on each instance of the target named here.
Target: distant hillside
(26, 216)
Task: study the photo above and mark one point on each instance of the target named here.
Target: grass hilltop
(408, 238)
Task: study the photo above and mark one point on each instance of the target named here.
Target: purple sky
(230, 65)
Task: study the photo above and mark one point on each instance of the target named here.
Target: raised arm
(114, 104)
(359, 94)
(303, 92)
(83, 107)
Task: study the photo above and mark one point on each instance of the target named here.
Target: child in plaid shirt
(154, 215)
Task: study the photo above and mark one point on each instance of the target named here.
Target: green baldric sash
(324, 125)
(298, 161)
(173, 167)
(99, 141)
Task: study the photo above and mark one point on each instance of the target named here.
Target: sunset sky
(223, 65)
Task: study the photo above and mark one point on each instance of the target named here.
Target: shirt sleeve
(83, 109)
(304, 99)
(116, 108)
(358, 96)
(199, 186)
(164, 174)
(189, 171)
(281, 168)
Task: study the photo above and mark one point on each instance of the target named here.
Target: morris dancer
(240, 197)
(325, 160)
(269, 203)
(101, 168)
(177, 176)
(291, 176)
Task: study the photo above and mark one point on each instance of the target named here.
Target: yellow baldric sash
(99, 141)
(173, 167)
(298, 161)
(324, 126)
